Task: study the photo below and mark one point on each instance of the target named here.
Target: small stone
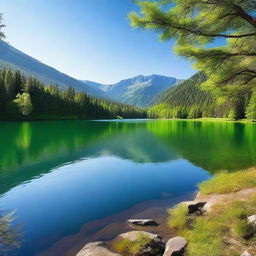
(245, 253)
(96, 249)
(175, 246)
(252, 220)
(143, 222)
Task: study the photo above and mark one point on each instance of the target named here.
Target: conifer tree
(2, 35)
(194, 24)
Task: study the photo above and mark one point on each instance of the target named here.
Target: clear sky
(89, 39)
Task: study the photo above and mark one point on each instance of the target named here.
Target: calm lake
(68, 180)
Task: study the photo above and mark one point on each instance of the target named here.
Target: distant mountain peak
(139, 90)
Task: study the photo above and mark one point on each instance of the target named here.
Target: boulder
(96, 249)
(252, 220)
(196, 207)
(245, 253)
(154, 245)
(142, 222)
(175, 246)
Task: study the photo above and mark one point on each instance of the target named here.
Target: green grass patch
(229, 182)
(207, 235)
(178, 217)
(127, 246)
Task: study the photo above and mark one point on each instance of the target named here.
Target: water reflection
(60, 175)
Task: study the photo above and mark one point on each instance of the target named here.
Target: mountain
(11, 57)
(185, 100)
(187, 93)
(139, 91)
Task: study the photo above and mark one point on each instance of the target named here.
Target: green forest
(190, 100)
(28, 99)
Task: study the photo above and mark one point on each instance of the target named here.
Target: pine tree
(2, 35)
(194, 24)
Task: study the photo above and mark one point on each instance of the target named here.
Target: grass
(127, 246)
(207, 235)
(229, 182)
(178, 219)
(212, 234)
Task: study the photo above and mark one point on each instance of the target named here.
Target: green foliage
(189, 99)
(27, 98)
(230, 69)
(131, 246)
(236, 181)
(251, 108)
(24, 104)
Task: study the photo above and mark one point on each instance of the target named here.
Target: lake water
(61, 176)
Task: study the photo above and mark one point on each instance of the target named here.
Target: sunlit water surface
(58, 176)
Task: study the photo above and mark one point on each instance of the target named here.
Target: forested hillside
(14, 59)
(191, 100)
(24, 98)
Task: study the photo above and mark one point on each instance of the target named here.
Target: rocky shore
(142, 243)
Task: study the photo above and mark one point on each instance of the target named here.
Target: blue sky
(89, 39)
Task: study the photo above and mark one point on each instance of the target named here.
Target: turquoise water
(58, 176)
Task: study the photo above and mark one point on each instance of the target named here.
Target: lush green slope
(184, 100)
(190, 99)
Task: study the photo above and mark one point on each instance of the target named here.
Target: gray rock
(154, 247)
(96, 249)
(175, 246)
(252, 220)
(143, 222)
(245, 253)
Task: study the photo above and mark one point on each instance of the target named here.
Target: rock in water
(143, 222)
(175, 246)
(151, 244)
(96, 249)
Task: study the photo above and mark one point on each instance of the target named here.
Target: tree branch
(197, 32)
(245, 16)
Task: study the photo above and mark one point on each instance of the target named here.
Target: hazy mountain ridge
(139, 90)
(11, 57)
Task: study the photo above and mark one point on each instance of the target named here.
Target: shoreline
(221, 217)
(202, 119)
(108, 228)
